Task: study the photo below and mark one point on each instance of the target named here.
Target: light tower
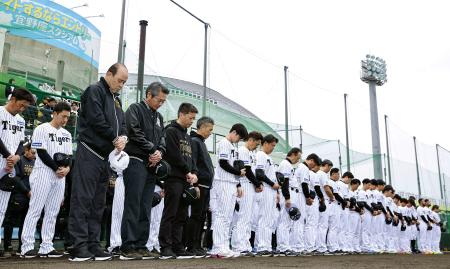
(373, 72)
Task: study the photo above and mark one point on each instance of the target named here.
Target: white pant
(4, 199)
(241, 231)
(366, 233)
(436, 238)
(324, 224)
(155, 222)
(424, 238)
(311, 225)
(343, 230)
(334, 217)
(223, 197)
(354, 229)
(47, 191)
(115, 238)
(267, 207)
(297, 240)
(285, 231)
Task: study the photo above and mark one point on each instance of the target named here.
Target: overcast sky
(321, 41)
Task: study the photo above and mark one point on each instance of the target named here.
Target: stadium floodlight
(373, 69)
(373, 72)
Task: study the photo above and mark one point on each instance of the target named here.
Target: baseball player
(404, 227)
(423, 226)
(366, 217)
(241, 231)
(372, 201)
(387, 235)
(354, 218)
(344, 231)
(290, 190)
(414, 231)
(265, 172)
(380, 219)
(312, 211)
(12, 133)
(118, 162)
(225, 191)
(436, 232)
(334, 209)
(47, 182)
(324, 216)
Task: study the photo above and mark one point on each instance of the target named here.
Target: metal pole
(286, 116)
(376, 148)
(384, 168)
(122, 22)
(301, 138)
(340, 157)
(140, 78)
(439, 171)
(387, 149)
(445, 192)
(205, 66)
(346, 133)
(90, 67)
(417, 166)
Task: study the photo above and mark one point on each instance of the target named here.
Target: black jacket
(202, 160)
(145, 131)
(178, 151)
(101, 118)
(19, 198)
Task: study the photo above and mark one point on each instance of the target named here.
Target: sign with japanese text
(53, 24)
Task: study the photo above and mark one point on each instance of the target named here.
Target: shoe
(148, 255)
(101, 255)
(183, 254)
(52, 254)
(167, 253)
(264, 253)
(277, 253)
(199, 253)
(247, 254)
(291, 253)
(29, 254)
(115, 252)
(80, 255)
(128, 255)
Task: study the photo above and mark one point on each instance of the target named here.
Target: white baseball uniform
(297, 241)
(115, 238)
(324, 217)
(267, 204)
(354, 226)
(241, 231)
(344, 231)
(334, 216)
(312, 215)
(436, 233)
(285, 222)
(46, 188)
(223, 197)
(12, 132)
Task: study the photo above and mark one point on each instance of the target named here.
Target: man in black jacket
(101, 128)
(205, 167)
(146, 146)
(183, 173)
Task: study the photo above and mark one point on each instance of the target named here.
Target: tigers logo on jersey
(60, 140)
(14, 128)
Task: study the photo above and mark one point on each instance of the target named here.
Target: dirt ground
(335, 262)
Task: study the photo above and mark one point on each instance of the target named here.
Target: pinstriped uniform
(12, 131)
(334, 219)
(115, 238)
(343, 221)
(155, 222)
(324, 217)
(285, 222)
(223, 198)
(379, 223)
(312, 216)
(241, 231)
(297, 241)
(354, 226)
(267, 205)
(47, 190)
(362, 196)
